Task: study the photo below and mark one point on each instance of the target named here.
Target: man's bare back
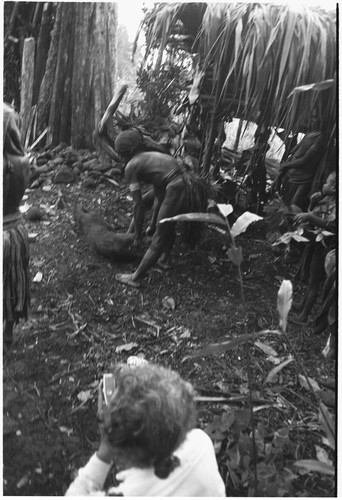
(150, 168)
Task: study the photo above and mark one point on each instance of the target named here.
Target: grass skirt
(16, 276)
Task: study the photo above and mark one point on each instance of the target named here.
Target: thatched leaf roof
(254, 55)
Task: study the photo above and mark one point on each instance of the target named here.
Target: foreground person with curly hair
(148, 433)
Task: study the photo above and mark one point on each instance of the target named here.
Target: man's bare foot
(166, 266)
(127, 279)
(164, 262)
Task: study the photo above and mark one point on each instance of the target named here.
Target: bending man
(176, 191)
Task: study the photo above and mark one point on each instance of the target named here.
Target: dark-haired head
(329, 187)
(128, 143)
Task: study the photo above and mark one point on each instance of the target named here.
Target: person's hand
(105, 451)
(315, 197)
(138, 244)
(276, 184)
(301, 218)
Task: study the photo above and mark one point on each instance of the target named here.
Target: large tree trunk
(45, 90)
(43, 44)
(59, 119)
(94, 68)
(79, 78)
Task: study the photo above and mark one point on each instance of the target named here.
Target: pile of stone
(65, 165)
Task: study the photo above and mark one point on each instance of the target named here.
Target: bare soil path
(82, 321)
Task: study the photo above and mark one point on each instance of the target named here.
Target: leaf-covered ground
(82, 321)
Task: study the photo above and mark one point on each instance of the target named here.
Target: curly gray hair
(148, 416)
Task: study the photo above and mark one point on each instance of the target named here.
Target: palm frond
(259, 53)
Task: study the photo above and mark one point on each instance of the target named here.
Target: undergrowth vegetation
(260, 461)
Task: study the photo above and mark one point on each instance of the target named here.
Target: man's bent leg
(150, 258)
(164, 237)
(147, 198)
(164, 259)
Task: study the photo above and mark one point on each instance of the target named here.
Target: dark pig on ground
(103, 238)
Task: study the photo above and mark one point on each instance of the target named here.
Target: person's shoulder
(156, 154)
(150, 159)
(196, 445)
(199, 437)
(198, 432)
(141, 157)
(135, 161)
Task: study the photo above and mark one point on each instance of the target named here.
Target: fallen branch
(59, 326)
(148, 323)
(112, 107)
(79, 330)
(100, 135)
(37, 141)
(111, 181)
(236, 399)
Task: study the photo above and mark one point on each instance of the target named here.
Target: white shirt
(196, 476)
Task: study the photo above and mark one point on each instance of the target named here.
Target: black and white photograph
(170, 249)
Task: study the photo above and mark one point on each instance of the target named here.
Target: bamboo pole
(238, 135)
(214, 119)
